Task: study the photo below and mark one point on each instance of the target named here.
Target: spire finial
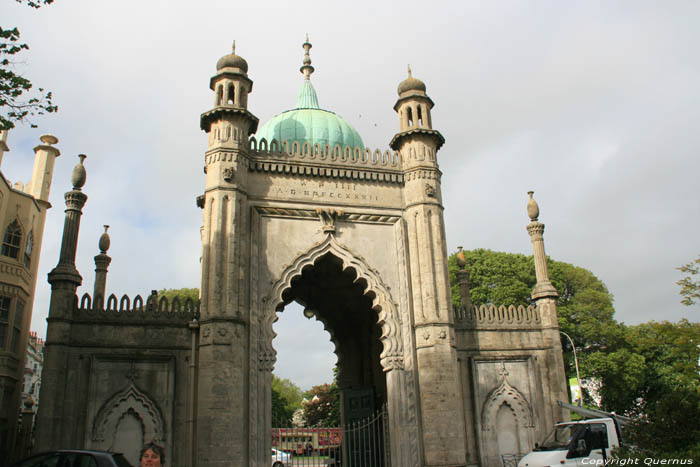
(233, 47)
(409, 71)
(306, 69)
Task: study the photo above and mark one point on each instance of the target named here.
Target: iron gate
(362, 443)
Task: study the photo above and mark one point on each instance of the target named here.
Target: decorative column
(545, 296)
(544, 287)
(58, 408)
(463, 279)
(101, 264)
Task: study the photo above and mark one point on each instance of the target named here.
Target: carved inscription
(333, 191)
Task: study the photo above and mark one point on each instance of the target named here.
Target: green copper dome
(308, 123)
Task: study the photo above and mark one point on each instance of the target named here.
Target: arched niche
(121, 415)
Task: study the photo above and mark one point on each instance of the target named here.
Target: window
(13, 236)
(16, 332)
(28, 250)
(4, 318)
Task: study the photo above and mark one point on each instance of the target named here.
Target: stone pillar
(463, 279)
(545, 296)
(3, 144)
(42, 173)
(58, 402)
(101, 264)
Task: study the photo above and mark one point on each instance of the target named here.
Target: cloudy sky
(590, 104)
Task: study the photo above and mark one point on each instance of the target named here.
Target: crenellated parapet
(361, 156)
(496, 317)
(138, 309)
(316, 160)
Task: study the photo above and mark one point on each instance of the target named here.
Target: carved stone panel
(130, 400)
(504, 393)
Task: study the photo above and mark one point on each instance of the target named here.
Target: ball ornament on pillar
(104, 241)
(79, 175)
(533, 210)
(461, 259)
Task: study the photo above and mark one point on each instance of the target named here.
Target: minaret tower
(222, 430)
(438, 372)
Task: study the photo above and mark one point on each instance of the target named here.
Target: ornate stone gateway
(300, 210)
(356, 236)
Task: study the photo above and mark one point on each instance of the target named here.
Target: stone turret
(229, 123)
(444, 436)
(223, 319)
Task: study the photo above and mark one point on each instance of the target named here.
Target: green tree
(495, 277)
(17, 102)
(286, 398)
(322, 406)
(182, 294)
(667, 428)
(690, 289)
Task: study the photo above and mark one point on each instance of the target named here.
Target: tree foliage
(322, 406)
(690, 289)
(17, 101)
(667, 428)
(286, 399)
(182, 294)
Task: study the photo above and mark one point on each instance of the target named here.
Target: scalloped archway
(391, 356)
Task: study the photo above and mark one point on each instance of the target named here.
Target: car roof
(98, 454)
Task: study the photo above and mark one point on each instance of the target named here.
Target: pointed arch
(12, 240)
(506, 394)
(130, 400)
(391, 356)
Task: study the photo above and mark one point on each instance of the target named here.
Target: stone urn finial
(48, 139)
(461, 259)
(533, 210)
(104, 241)
(79, 174)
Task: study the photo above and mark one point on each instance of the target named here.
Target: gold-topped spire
(306, 68)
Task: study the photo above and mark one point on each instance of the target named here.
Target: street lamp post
(578, 376)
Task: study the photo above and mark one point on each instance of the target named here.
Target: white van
(581, 443)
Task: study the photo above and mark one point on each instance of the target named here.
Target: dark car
(74, 458)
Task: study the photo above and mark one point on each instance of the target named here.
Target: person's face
(150, 459)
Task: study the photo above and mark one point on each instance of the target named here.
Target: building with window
(23, 209)
(33, 363)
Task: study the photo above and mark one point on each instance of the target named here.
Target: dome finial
(306, 68)
(233, 48)
(409, 71)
